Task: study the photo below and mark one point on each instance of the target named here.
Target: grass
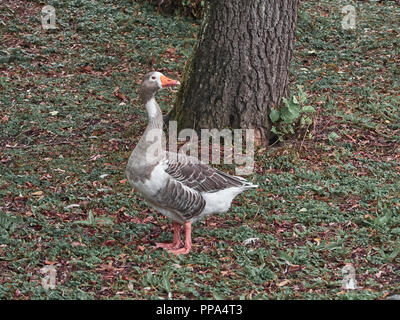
(70, 116)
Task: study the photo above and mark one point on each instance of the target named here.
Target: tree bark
(240, 66)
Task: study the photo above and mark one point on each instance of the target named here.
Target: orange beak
(167, 82)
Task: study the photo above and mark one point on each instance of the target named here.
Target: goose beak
(167, 82)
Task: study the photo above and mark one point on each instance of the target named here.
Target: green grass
(70, 116)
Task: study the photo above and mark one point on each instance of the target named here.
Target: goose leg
(177, 242)
(188, 241)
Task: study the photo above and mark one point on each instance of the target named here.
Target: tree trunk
(240, 66)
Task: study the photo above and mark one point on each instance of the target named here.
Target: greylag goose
(178, 186)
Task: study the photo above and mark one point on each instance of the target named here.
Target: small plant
(3, 82)
(332, 137)
(292, 116)
(93, 221)
(7, 225)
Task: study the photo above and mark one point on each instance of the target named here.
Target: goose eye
(153, 78)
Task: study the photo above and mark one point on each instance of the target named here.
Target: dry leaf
(86, 69)
(283, 283)
(95, 157)
(171, 50)
(77, 244)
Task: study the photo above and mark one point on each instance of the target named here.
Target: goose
(178, 186)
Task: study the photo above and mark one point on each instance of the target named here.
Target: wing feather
(180, 199)
(200, 177)
(187, 179)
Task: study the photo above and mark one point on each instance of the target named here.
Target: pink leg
(188, 241)
(177, 242)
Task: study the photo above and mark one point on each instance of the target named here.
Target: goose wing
(187, 179)
(200, 177)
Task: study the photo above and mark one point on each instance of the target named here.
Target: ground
(70, 116)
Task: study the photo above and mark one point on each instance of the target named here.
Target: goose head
(153, 82)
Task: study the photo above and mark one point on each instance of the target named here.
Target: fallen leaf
(86, 69)
(77, 244)
(95, 157)
(5, 119)
(378, 274)
(283, 283)
(294, 267)
(119, 94)
(171, 50)
(317, 240)
(109, 243)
